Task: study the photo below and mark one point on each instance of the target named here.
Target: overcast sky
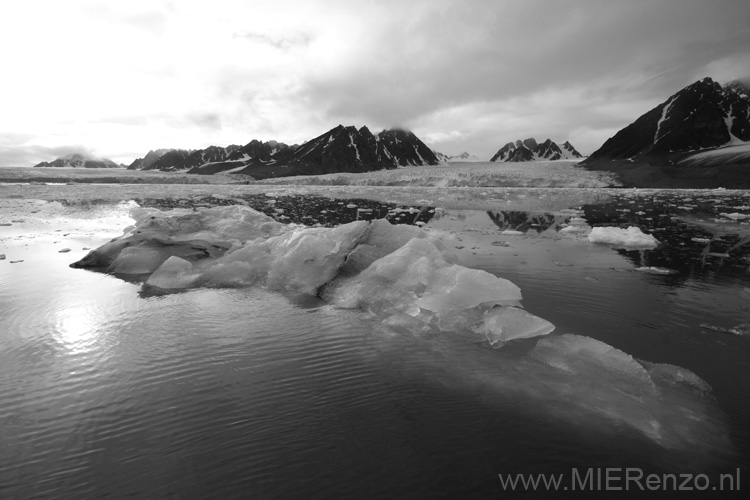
(117, 78)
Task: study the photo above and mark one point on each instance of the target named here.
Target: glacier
(406, 282)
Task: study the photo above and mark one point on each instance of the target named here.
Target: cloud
(451, 55)
(138, 75)
(207, 121)
(281, 41)
(732, 67)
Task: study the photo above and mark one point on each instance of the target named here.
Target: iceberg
(389, 272)
(630, 238)
(412, 287)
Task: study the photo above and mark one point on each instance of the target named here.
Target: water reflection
(525, 221)
(208, 386)
(76, 330)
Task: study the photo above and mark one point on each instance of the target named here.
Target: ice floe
(632, 237)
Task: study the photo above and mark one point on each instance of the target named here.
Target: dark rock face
(79, 161)
(530, 150)
(703, 115)
(174, 159)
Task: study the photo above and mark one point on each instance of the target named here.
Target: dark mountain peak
(530, 143)
(703, 115)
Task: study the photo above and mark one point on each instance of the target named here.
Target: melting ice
(410, 283)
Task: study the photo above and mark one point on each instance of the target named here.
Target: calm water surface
(109, 392)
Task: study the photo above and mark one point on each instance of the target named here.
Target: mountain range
(77, 160)
(698, 137)
(341, 149)
(531, 150)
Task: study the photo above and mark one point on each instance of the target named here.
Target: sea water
(108, 390)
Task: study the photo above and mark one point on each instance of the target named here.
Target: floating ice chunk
(701, 240)
(174, 273)
(656, 270)
(577, 228)
(512, 232)
(509, 323)
(600, 362)
(631, 237)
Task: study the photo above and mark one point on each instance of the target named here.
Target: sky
(115, 79)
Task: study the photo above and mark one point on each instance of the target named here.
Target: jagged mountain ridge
(77, 160)
(701, 116)
(531, 150)
(341, 149)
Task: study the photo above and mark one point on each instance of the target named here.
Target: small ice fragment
(500, 244)
(656, 270)
(64, 250)
(16, 261)
(575, 228)
(735, 216)
(351, 205)
(713, 328)
(701, 240)
(2, 256)
(561, 264)
(512, 232)
(741, 329)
